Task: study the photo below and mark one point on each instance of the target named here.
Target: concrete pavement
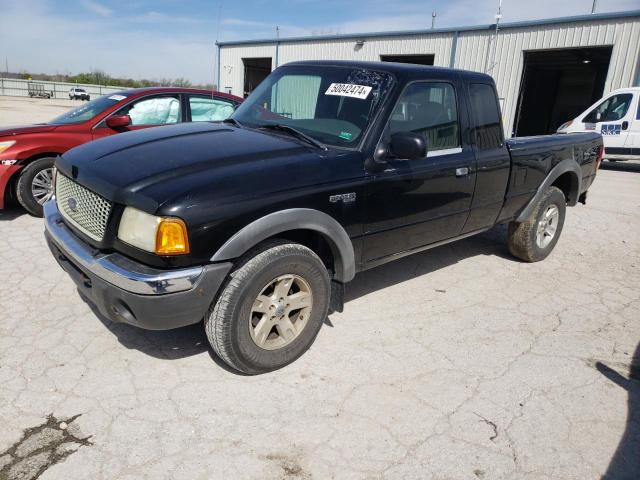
(457, 363)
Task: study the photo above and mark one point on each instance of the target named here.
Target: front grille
(85, 210)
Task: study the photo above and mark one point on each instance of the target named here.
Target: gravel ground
(458, 363)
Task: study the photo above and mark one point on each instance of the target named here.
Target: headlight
(6, 145)
(159, 235)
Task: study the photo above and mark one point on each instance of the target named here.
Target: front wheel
(35, 185)
(271, 309)
(534, 239)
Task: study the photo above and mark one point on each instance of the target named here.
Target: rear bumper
(129, 292)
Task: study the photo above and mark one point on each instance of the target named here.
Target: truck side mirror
(408, 146)
(118, 121)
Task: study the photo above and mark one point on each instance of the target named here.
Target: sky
(175, 38)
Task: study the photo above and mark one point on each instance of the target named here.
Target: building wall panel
(474, 51)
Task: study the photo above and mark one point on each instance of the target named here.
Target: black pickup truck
(327, 169)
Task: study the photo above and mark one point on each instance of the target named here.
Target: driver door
(145, 112)
(612, 118)
(420, 202)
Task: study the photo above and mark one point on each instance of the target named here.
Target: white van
(617, 117)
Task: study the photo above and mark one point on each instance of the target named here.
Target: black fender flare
(567, 165)
(294, 219)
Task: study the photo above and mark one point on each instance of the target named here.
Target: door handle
(462, 172)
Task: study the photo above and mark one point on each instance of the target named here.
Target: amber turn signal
(171, 237)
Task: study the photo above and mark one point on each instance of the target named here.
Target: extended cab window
(428, 109)
(207, 109)
(162, 110)
(612, 109)
(486, 115)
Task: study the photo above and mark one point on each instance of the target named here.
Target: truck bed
(532, 158)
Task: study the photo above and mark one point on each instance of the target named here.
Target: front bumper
(128, 291)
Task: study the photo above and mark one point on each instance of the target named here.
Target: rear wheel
(534, 239)
(35, 185)
(271, 309)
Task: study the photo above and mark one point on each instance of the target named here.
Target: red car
(27, 154)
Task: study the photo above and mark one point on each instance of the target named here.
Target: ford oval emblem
(73, 204)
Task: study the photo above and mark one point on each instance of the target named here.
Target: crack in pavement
(41, 447)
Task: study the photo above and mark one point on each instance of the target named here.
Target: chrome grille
(85, 210)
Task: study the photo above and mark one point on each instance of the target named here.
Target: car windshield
(333, 105)
(87, 111)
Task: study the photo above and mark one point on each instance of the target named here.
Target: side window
(162, 110)
(612, 109)
(207, 109)
(428, 109)
(486, 114)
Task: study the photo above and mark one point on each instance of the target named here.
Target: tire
(31, 178)
(232, 322)
(534, 239)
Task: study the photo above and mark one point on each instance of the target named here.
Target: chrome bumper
(114, 268)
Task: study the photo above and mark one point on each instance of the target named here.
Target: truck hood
(148, 168)
(22, 129)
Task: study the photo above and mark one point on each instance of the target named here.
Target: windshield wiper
(233, 121)
(294, 132)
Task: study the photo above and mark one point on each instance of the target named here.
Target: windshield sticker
(117, 97)
(611, 129)
(348, 90)
(346, 135)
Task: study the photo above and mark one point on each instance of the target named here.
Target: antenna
(433, 20)
(216, 57)
(495, 37)
(593, 7)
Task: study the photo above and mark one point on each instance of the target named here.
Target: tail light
(599, 156)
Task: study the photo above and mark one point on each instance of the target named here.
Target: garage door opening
(255, 71)
(557, 85)
(414, 59)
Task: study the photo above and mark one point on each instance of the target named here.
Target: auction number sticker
(348, 90)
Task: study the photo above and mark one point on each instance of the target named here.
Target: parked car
(37, 90)
(617, 117)
(27, 153)
(79, 94)
(327, 169)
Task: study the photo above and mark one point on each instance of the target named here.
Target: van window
(612, 109)
(428, 109)
(486, 114)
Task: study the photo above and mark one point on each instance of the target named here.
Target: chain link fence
(20, 88)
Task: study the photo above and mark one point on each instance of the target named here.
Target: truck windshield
(87, 111)
(333, 105)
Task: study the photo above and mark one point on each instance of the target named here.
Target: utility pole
(433, 20)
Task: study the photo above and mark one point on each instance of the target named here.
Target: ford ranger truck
(255, 224)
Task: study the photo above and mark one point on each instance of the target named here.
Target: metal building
(547, 71)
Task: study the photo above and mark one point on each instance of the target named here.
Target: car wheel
(35, 185)
(271, 308)
(534, 239)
